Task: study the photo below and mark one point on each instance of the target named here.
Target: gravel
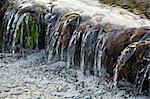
(35, 78)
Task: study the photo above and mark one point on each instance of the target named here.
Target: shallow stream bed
(35, 78)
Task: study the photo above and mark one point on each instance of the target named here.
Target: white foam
(96, 11)
(92, 8)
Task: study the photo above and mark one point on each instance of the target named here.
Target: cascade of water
(89, 40)
(62, 35)
(52, 23)
(143, 71)
(7, 24)
(53, 28)
(21, 30)
(72, 48)
(15, 33)
(147, 69)
(22, 36)
(122, 59)
(126, 55)
(59, 47)
(52, 43)
(76, 38)
(98, 54)
(16, 17)
(82, 63)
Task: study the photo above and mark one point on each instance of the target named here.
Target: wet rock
(66, 30)
(61, 89)
(17, 93)
(90, 46)
(88, 97)
(6, 90)
(1, 66)
(38, 97)
(75, 97)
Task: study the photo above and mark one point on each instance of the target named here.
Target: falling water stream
(85, 36)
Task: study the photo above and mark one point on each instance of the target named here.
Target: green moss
(31, 33)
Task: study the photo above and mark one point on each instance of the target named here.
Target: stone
(88, 97)
(75, 97)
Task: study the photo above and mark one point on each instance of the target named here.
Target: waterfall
(22, 30)
(98, 40)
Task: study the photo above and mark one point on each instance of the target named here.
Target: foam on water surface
(96, 11)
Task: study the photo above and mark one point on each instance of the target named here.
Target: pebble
(75, 97)
(6, 90)
(88, 97)
(17, 93)
(38, 98)
(1, 66)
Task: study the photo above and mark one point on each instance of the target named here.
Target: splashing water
(126, 54)
(81, 33)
